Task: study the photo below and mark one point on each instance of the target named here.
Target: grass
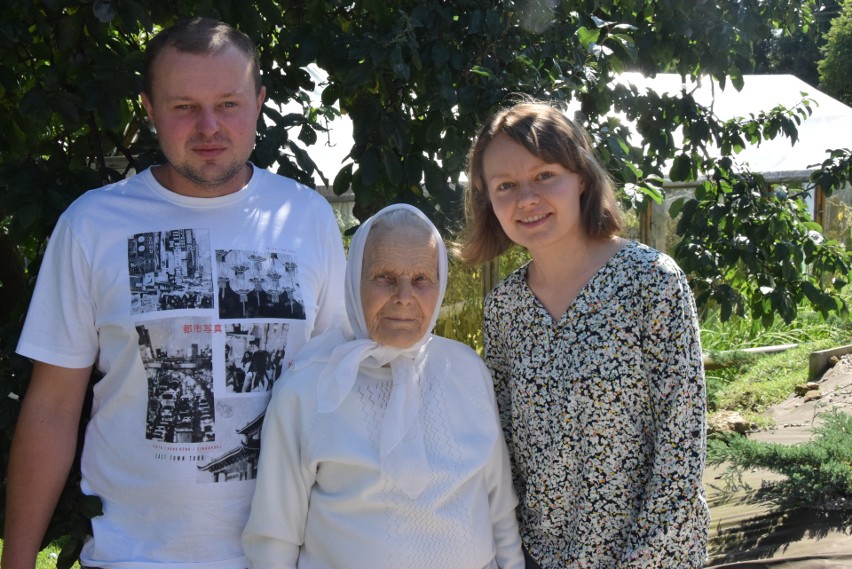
(46, 558)
(741, 333)
(768, 380)
(758, 382)
(751, 383)
(747, 383)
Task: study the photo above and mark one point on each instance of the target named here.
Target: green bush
(819, 472)
(835, 66)
(461, 313)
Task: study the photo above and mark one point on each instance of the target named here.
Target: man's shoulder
(97, 198)
(304, 202)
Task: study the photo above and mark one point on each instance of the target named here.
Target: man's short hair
(199, 36)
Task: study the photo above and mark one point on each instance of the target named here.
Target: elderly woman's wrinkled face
(399, 284)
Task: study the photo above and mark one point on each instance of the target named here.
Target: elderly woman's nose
(404, 290)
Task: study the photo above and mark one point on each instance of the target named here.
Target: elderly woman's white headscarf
(402, 451)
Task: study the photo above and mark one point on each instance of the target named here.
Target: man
(169, 449)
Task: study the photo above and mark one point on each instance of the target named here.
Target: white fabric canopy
(828, 127)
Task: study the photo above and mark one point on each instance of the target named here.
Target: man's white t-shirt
(190, 308)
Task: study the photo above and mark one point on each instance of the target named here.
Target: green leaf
(675, 207)
(330, 94)
(343, 180)
(303, 159)
(369, 167)
(392, 167)
(399, 67)
(587, 37)
(307, 134)
(682, 168)
(91, 506)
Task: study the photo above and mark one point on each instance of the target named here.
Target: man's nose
(208, 122)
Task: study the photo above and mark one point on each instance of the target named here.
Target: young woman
(595, 353)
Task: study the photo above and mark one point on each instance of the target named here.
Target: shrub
(819, 472)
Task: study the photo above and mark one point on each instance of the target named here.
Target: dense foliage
(835, 67)
(798, 53)
(416, 77)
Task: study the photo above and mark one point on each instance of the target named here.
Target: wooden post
(819, 206)
(645, 230)
(490, 275)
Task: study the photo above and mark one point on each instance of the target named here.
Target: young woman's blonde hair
(548, 134)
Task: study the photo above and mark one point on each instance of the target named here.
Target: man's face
(205, 110)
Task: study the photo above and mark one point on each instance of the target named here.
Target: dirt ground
(749, 531)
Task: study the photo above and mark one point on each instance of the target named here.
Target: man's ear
(149, 107)
(260, 98)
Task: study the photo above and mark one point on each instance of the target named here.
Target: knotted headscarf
(402, 450)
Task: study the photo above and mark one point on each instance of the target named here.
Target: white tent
(780, 160)
(828, 127)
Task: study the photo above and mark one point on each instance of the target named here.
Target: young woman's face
(536, 203)
(399, 285)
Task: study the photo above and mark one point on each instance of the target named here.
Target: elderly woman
(382, 446)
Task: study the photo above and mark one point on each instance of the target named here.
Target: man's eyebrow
(181, 97)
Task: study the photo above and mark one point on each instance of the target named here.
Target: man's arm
(42, 452)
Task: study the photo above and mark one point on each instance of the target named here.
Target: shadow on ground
(752, 528)
(782, 535)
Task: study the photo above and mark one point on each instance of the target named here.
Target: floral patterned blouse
(604, 416)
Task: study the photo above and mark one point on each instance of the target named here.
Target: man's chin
(212, 176)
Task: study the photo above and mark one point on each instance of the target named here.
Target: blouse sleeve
(671, 530)
(498, 359)
(276, 525)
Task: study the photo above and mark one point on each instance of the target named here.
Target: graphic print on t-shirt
(219, 437)
(238, 421)
(177, 356)
(209, 381)
(254, 355)
(170, 270)
(258, 284)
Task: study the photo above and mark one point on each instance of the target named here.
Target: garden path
(750, 531)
